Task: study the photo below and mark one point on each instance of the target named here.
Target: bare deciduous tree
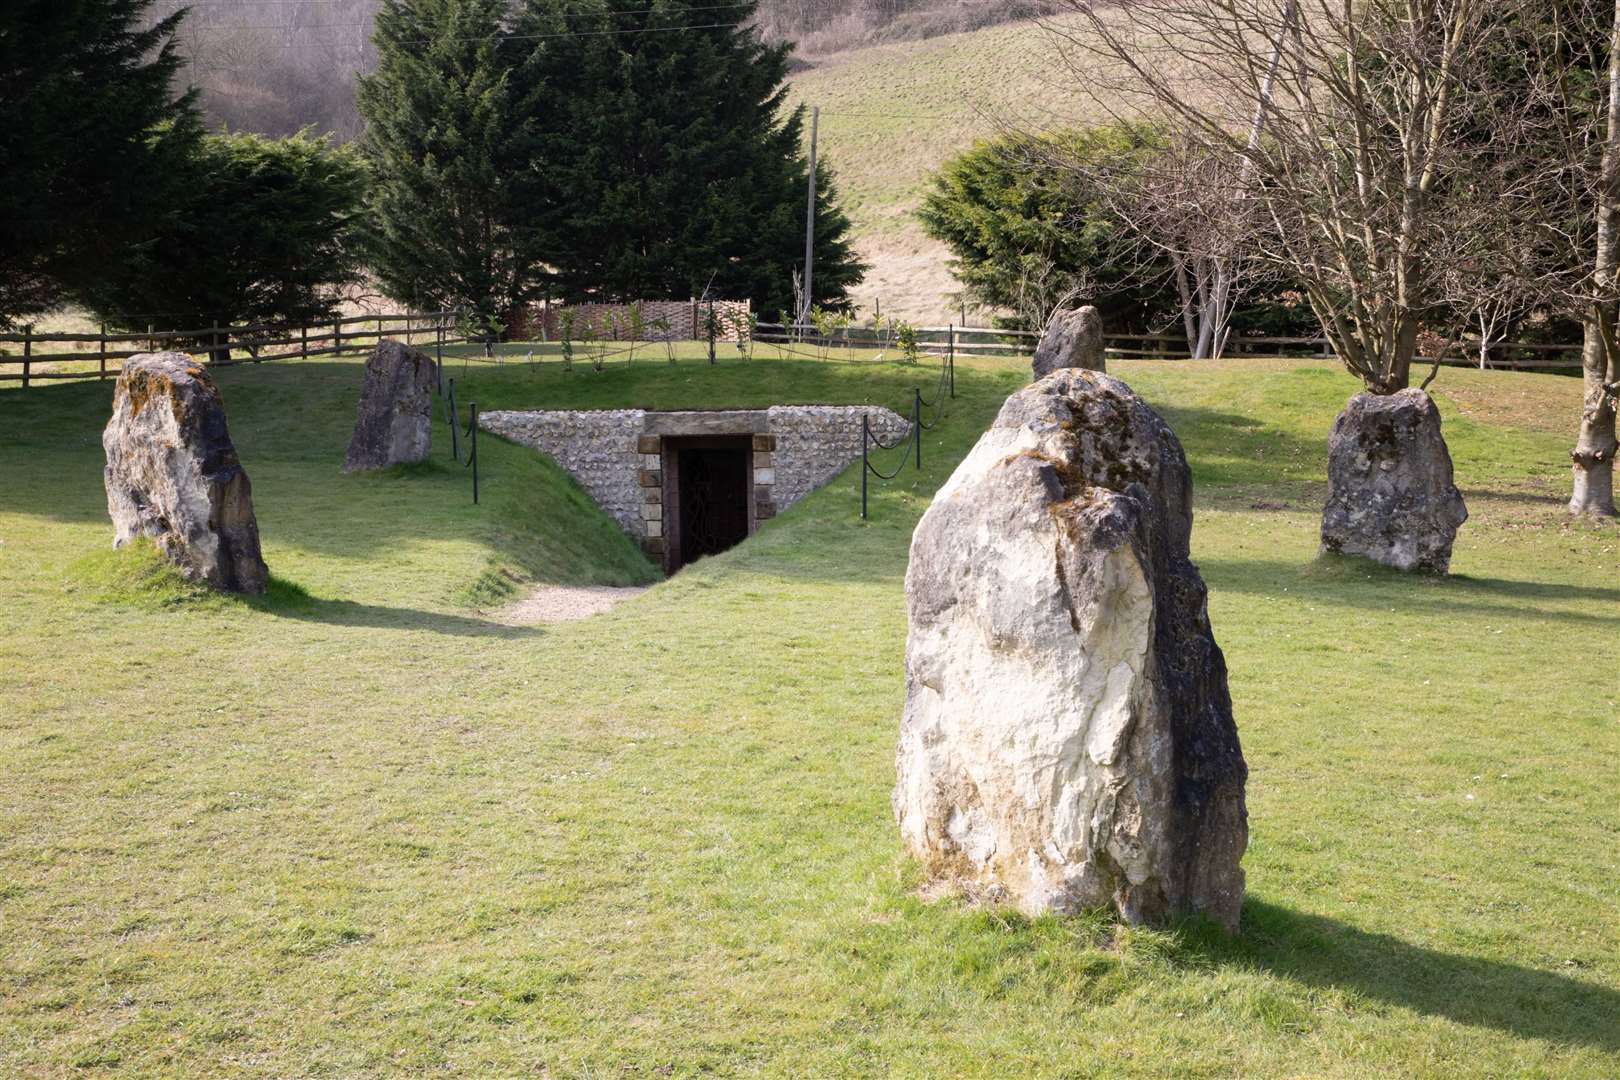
(1360, 105)
(1186, 207)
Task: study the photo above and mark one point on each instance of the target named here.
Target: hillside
(891, 114)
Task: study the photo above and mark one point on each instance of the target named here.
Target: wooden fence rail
(438, 327)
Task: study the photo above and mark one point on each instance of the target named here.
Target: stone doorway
(708, 495)
(629, 460)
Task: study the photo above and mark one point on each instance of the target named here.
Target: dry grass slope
(891, 114)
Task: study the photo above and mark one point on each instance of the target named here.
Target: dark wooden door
(714, 500)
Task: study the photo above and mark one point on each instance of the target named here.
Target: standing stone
(1068, 740)
(396, 409)
(1390, 495)
(173, 474)
(1074, 339)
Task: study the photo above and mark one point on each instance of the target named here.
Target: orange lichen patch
(142, 386)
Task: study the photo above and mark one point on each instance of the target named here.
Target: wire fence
(996, 341)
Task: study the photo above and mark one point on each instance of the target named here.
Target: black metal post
(866, 465)
(472, 432)
(916, 421)
(950, 359)
(455, 422)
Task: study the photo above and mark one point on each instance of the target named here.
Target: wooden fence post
(101, 347)
(337, 337)
(151, 342)
(303, 343)
(408, 334)
(28, 352)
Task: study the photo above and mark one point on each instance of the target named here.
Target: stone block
(764, 476)
(764, 443)
(649, 444)
(653, 511)
(651, 479)
(655, 529)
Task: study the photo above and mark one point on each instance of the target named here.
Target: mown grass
(359, 829)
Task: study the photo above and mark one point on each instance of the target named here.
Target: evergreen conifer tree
(663, 161)
(444, 229)
(259, 231)
(90, 131)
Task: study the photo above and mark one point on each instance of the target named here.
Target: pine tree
(662, 162)
(90, 131)
(445, 230)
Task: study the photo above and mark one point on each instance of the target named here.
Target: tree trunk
(1593, 456)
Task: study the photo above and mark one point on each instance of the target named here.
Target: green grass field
(360, 828)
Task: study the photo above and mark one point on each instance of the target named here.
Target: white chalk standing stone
(173, 475)
(1068, 739)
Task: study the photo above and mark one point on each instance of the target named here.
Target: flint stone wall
(816, 443)
(596, 448)
(616, 455)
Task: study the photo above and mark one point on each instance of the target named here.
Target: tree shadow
(1326, 579)
(1320, 951)
(1559, 502)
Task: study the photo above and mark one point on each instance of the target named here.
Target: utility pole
(810, 221)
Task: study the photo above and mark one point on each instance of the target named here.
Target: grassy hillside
(372, 832)
(891, 114)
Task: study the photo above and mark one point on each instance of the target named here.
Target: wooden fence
(92, 353)
(969, 340)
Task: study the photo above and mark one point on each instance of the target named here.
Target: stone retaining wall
(597, 448)
(622, 457)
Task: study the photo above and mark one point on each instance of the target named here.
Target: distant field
(891, 114)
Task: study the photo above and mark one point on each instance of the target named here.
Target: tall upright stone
(173, 475)
(394, 425)
(1073, 339)
(1068, 739)
(1390, 492)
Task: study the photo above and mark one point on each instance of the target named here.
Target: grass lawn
(359, 828)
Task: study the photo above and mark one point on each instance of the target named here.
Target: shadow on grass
(1468, 990)
(287, 600)
(1360, 583)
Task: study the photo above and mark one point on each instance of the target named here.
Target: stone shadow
(304, 608)
(1319, 951)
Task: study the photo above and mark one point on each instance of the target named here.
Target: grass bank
(373, 833)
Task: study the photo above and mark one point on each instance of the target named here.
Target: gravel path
(564, 603)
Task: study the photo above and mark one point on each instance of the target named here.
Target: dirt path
(564, 603)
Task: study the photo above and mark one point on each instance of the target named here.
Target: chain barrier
(945, 390)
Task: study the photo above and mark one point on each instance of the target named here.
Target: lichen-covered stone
(1068, 739)
(1073, 339)
(394, 425)
(173, 475)
(1390, 492)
